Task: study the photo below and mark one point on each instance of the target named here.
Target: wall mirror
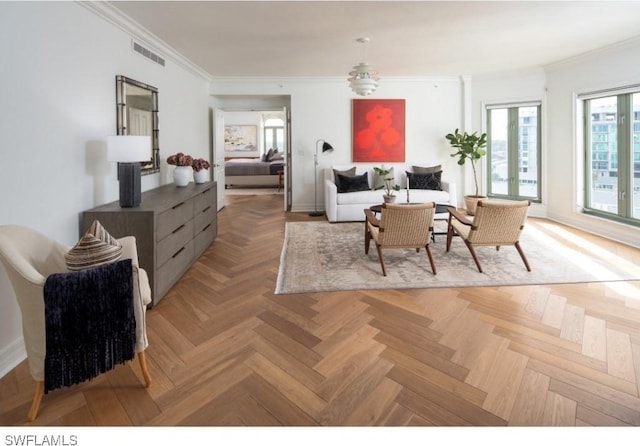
(137, 114)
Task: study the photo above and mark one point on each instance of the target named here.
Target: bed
(252, 172)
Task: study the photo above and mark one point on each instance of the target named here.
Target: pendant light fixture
(364, 78)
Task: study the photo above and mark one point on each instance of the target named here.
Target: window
(513, 151)
(612, 136)
(274, 135)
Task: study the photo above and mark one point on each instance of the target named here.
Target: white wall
(321, 109)
(613, 67)
(57, 90)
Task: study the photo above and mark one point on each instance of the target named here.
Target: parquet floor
(224, 351)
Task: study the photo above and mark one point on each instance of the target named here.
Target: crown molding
(138, 32)
(336, 79)
(587, 55)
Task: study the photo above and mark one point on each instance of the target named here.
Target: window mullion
(490, 168)
(514, 152)
(625, 122)
(538, 149)
(588, 153)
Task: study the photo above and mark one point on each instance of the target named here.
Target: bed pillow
(378, 182)
(432, 169)
(431, 181)
(268, 155)
(277, 156)
(355, 183)
(96, 247)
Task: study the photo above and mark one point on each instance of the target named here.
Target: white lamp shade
(364, 79)
(128, 148)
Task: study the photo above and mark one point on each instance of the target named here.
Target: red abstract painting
(378, 130)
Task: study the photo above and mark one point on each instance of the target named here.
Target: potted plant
(183, 172)
(469, 147)
(388, 185)
(200, 167)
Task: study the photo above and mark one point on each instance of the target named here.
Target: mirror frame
(153, 165)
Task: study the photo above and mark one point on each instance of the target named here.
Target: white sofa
(350, 206)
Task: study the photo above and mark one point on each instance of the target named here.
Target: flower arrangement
(199, 164)
(180, 159)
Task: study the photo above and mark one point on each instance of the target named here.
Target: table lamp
(129, 151)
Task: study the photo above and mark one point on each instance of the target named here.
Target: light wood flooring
(225, 351)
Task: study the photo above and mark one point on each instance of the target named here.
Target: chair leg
(367, 238)
(449, 234)
(37, 397)
(473, 254)
(433, 266)
(384, 271)
(142, 358)
(35, 405)
(524, 259)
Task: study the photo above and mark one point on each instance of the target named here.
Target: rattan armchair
(496, 223)
(400, 226)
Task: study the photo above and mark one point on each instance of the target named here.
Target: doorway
(246, 166)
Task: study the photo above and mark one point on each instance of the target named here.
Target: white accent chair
(29, 257)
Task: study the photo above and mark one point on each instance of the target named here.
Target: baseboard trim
(11, 356)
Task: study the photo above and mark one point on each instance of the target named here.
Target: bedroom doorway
(272, 132)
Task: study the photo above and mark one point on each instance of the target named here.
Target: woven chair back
(497, 223)
(406, 225)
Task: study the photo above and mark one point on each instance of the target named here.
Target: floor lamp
(326, 147)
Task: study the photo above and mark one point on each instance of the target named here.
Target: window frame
(513, 150)
(273, 129)
(622, 153)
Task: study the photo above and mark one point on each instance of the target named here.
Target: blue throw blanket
(90, 323)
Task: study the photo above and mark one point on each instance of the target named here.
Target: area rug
(322, 256)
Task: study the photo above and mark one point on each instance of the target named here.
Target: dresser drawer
(205, 199)
(172, 243)
(204, 238)
(173, 269)
(204, 218)
(173, 218)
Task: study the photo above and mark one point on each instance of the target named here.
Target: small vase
(201, 176)
(182, 175)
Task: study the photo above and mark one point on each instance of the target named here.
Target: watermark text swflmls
(40, 440)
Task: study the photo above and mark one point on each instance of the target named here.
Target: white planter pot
(389, 198)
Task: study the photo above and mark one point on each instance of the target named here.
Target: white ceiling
(408, 38)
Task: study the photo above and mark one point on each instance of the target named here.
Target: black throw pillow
(432, 181)
(348, 173)
(354, 183)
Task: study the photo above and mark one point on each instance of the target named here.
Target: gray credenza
(173, 226)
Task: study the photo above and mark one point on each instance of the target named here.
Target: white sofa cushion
(369, 196)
